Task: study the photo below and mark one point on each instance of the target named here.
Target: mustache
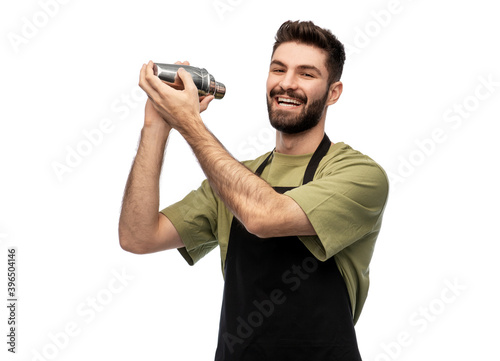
(289, 93)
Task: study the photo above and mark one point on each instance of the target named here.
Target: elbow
(131, 247)
(125, 245)
(128, 243)
(258, 227)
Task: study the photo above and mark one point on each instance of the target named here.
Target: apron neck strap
(264, 163)
(318, 154)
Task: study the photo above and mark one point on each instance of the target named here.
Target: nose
(288, 82)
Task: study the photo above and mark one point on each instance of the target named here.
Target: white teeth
(288, 102)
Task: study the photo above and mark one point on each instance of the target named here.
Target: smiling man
(296, 227)
(283, 89)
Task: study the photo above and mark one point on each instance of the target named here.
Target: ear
(334, 92)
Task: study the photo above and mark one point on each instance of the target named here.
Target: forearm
(139, 215)
(253, 201)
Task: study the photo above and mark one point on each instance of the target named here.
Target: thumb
(186, 79)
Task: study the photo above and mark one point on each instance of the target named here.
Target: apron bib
(279, 301)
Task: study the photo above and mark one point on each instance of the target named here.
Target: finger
(205, 102)
(153, 84)
(187, 80)
(143, 83)
(206, 99)
(141, 75)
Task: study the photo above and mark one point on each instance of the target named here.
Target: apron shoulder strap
(320, 152)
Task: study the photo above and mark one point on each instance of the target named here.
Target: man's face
(297, 87)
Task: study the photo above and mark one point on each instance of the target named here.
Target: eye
(308, 75)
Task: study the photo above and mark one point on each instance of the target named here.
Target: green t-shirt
(344, 203)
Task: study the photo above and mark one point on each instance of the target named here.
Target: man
(296, 227)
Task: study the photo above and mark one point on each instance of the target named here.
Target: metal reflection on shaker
(203, 80)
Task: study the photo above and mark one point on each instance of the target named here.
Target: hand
(203, 104)
(176, 107)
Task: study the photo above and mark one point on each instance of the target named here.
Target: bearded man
(296, 227)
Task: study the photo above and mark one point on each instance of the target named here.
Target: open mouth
(288, 102)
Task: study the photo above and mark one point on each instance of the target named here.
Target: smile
(288, 102)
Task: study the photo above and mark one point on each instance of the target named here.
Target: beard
(287, 123)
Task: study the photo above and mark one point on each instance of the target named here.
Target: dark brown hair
(306, 32)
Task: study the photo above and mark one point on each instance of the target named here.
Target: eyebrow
(303, 67)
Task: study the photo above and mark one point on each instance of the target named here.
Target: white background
(415, 70)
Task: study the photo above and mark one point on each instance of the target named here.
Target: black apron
(280, 302)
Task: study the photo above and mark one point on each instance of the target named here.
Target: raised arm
(142, 229)
(262, 210)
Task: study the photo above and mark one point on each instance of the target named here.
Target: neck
(301, 143)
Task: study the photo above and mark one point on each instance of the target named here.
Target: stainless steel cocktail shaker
(203, 80)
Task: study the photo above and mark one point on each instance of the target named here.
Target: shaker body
(203, 80)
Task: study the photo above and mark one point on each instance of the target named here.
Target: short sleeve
(344, 205)
(195, 218)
